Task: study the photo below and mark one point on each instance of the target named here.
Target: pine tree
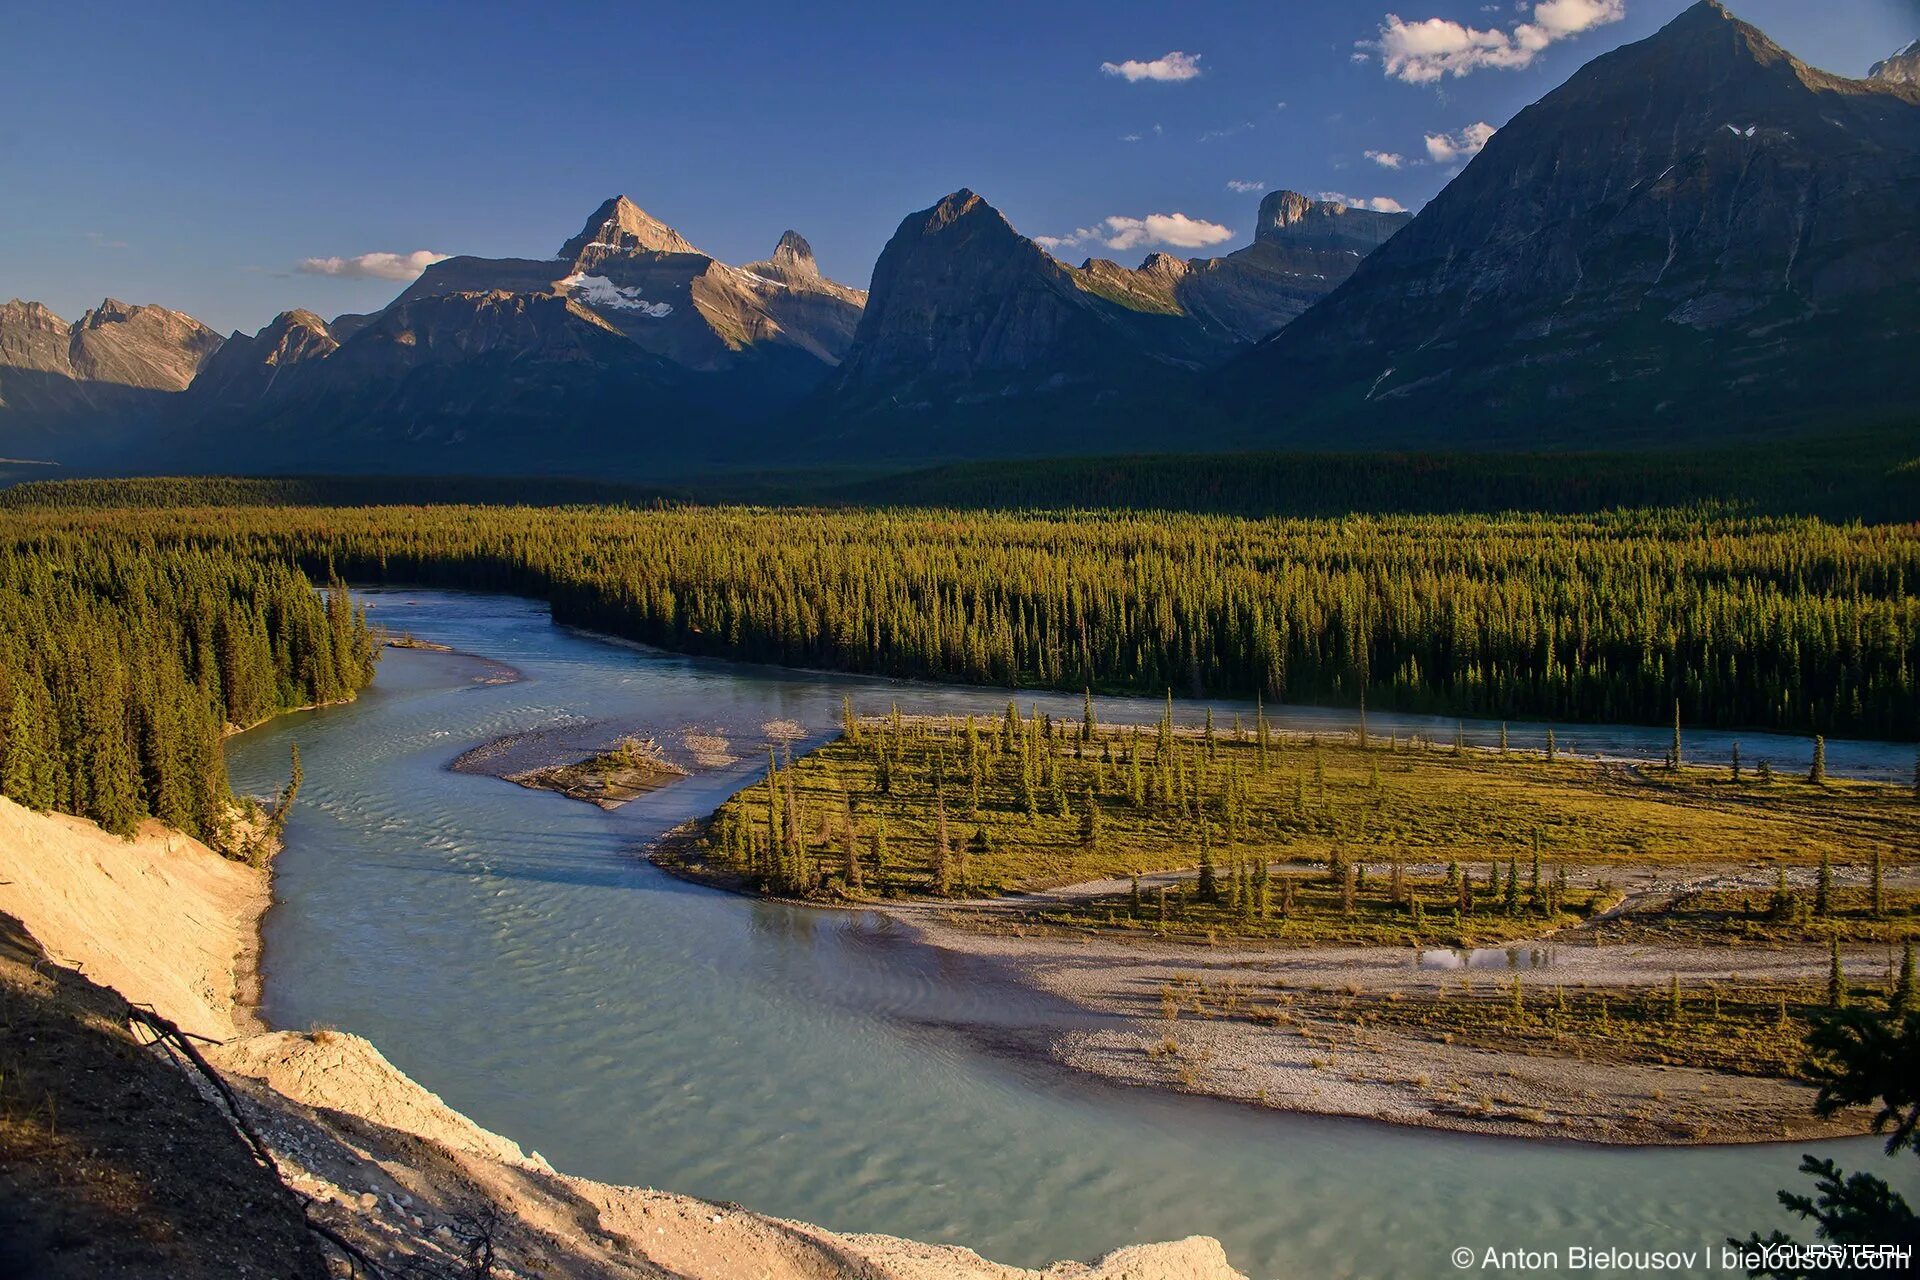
(26, 777)
(881, 884)
(1550, 747)
(1090, 821)
(1905, 998)
(849, 724)
(1674, 1007)
(850, 846)
(1133, 896)
(1208, 888)
(1836, 978)
(1087, 722)
(1503, 737)
(1817, 774)
(1765, 773)
(1736, 762)
(1823, 886)
(1677, 760)
(1877, 882)
(942, 851)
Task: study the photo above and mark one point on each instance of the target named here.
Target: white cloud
(1122, 233)
(1243, 187)
(1379, 204)
(1424, 52)
(374, 266)
(1169, 67)
(1387, 159)
(1456, 148)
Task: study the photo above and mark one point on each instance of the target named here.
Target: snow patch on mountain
(598, 291)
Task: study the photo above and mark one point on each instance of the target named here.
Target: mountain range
(1696, 237)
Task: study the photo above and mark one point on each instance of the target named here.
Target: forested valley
(1769, 622)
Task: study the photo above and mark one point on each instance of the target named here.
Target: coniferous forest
(1780, 623)
(126, 655)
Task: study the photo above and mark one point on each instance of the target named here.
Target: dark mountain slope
(1696, 236)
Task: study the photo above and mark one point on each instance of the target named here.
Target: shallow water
(504, 947)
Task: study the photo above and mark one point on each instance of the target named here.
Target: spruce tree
(1877, 882)
(1836, 978)
(1905, 998)
(1817, 774)
(1208, 887)
(1823, 886)
(1736, 762)
(1676, 736)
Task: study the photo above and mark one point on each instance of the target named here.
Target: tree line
(1776, 623)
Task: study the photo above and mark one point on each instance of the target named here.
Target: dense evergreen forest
(126, 653)
(1790, 624)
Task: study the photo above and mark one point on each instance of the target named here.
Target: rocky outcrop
(246, 369)
(1902, 68)
(1687, 239)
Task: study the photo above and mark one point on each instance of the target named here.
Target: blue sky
(195, 156)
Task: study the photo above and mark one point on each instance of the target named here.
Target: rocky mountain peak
(1291, 218)
(794, 253)
(620, 226)
(1902, 68)
(110, 311)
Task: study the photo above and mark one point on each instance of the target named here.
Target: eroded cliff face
(1692, 229)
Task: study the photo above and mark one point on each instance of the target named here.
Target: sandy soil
(1323, 1060)
(384, 1161)
(161, 919)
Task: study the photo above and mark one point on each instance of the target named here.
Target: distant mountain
(1302, 250)
(971, 326)
(1902, 68)
(631, 345)
(1696, 236)
(69, 389)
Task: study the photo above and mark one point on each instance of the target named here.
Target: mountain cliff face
(1902, 68)
(247, 368)
(70, 387)
(1694, 234)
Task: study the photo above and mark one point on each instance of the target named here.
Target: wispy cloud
(1426, 51)
(1387, 159)
(1169, 67)
(100, 240)
(1214, 135)
(1457, 148)
(1122, 233)
(374, 266)
(1244, 187)
(1379, 204)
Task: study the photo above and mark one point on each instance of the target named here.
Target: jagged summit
(621, 226)
(1902, 68)
(794, 253)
